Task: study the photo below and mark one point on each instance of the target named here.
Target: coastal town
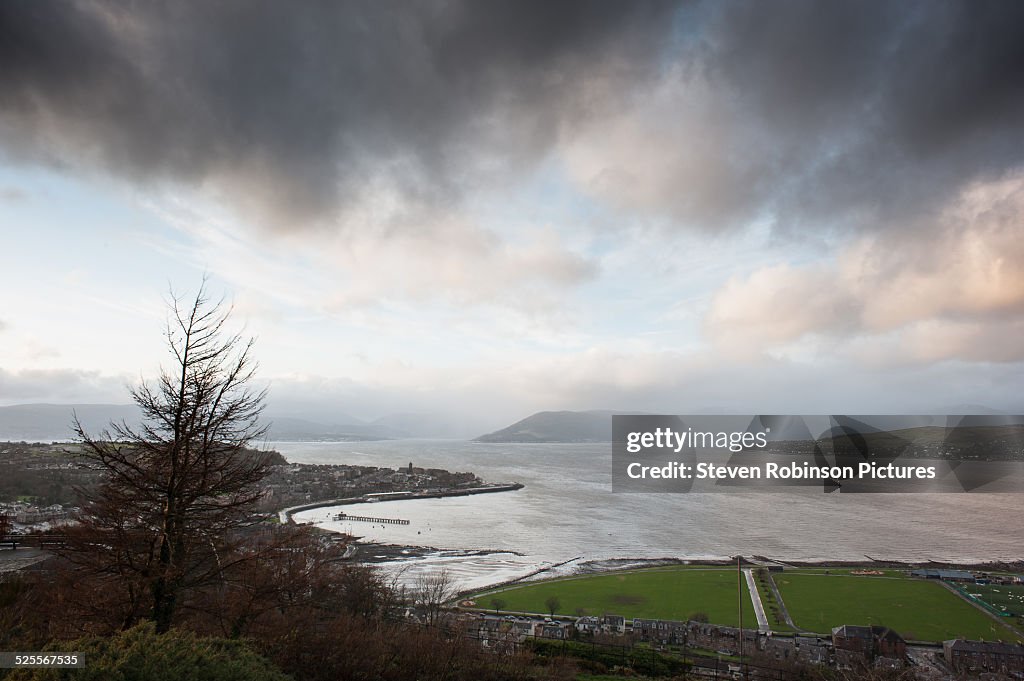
(41, 484)
(717, 649)
(758, 652)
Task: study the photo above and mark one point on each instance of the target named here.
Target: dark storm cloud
(296, 107)
(872, 111)
(825, 112)
(816, 114)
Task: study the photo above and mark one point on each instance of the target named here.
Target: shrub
(140, 654)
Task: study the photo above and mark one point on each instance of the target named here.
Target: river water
(567, 510)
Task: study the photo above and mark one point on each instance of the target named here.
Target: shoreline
(622, 563)
(399, 552)
(579, 566)
(616, 563)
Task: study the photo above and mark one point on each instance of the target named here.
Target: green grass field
(771, 608)
(658, 594)
(917, 609)
(1009, 599)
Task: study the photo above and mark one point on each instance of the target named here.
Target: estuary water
(567, 511)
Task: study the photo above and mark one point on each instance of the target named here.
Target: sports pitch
(1003, 598)
(917, 609)
(663, 593)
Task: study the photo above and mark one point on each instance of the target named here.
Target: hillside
(970, 441)
(557, 426)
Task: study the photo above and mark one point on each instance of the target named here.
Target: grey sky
(631, 203)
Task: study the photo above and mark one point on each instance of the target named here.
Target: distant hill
(596, 426)
(557, 426)
(971, 438)
(918, 427)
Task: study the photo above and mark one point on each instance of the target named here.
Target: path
(755, 598)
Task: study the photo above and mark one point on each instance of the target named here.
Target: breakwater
(285, 515)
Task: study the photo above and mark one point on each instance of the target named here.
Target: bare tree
(178, 486)
(498, 604)
(553, 603)
(431, 591)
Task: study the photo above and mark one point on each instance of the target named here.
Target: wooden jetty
(342, 517)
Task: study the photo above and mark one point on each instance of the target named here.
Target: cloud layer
(952, 288)
(527, 187)
(295, 115)
(61, 385)
(712, 114)
(815, 116)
